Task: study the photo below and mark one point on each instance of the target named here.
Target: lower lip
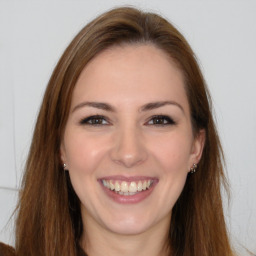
(132, 199)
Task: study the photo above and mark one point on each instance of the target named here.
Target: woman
(125, 158)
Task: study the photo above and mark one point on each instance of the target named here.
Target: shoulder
(6, 250)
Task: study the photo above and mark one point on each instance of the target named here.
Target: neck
(97, 241)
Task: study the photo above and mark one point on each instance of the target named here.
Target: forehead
(132, 73)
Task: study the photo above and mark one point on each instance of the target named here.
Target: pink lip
(132, 199)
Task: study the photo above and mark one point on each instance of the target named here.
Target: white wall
(33, 35)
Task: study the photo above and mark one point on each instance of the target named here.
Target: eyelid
(86, 120)
(167, 118)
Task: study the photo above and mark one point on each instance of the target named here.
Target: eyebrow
(146, 107)
(158, 104)
(99, 105)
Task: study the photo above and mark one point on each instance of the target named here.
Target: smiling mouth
(126, 188)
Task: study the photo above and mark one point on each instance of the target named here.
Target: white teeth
(133, 187)
(112, 186)
(144, 185)
(140, 186)
(107, 184)
(125, 188)
(117, 186)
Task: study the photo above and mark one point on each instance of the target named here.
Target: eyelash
(91, 120)
(165, 120)
(98, 120)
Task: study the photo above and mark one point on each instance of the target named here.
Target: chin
(129, 225)
(124, 229)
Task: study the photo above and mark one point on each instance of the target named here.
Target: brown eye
(94, 120)
(161, 120)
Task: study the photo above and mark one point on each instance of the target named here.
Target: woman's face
(128, 142)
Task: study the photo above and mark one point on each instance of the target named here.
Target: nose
(128, 148)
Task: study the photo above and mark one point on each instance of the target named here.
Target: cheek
(173, 158)
(83, 155)
(173, 152)
(83, 152)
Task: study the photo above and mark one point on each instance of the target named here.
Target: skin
(128, 143)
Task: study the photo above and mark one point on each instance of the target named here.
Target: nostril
(129, 156)
(128, 148)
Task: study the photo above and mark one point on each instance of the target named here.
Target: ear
(197, 148)
(62, 153)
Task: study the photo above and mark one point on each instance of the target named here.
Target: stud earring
(193, 168)
(64, 166)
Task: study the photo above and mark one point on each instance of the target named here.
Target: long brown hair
(49, 219)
